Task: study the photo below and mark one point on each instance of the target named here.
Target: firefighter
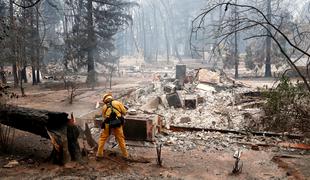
(113, 113)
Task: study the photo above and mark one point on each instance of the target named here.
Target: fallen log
(267, 134)
(280, 144)
(295, 145)
(51, 125)
(32, 120)
(182, 128)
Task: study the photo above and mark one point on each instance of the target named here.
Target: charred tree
(38, 75)
(155, 34)
(34, 79)
(249, 23)
(32, 51)
(24, 75)
(91, 45)
(22, 89)
(13, 45)
(166, 36)
(15, 74)
(167, 43)
(236, 54)
(268, 42)
(52, 125)
(37, 37)
(145, 49)
(2, 75)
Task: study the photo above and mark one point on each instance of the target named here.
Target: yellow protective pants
(119, 135)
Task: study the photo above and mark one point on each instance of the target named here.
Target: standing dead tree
(256, 19)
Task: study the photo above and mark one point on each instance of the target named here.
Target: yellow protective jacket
(119, 109)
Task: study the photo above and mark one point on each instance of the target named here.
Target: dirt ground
(204, 161)
(201, 162)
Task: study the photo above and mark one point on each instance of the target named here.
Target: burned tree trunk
(268, 42)
(2, 75)
(91, 80)
(52, 125)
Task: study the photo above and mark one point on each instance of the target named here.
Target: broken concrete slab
(206, 87)
(151, 104)
(207, 76)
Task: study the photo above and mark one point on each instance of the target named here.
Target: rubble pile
(215, 141)
(209, 100)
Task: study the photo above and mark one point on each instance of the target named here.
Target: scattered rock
(151, 105)
(185, 119)
(207, 76)
(165, 174)
(11, 164)
(132, 112)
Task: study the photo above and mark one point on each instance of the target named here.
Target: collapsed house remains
(196, 102)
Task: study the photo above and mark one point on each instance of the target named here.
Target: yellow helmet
(106, 97)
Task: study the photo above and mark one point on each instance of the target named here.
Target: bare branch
(28, 6)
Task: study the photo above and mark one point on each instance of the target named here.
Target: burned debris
(154, 89)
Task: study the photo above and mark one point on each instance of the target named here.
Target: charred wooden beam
(280, 144)
(267, 134)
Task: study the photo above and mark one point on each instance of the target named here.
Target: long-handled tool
(158, 151)
(238, 163)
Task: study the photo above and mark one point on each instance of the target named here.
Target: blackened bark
(51, 125)
(15, 74)
(268, 42)
(20, 72)
(2, 75)
(73, 144)
(38, 76)
(92, 45)
(37, 36)
(24, 75)
(13, 45)
(236, 54)
(32, 120)
(34, 79)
